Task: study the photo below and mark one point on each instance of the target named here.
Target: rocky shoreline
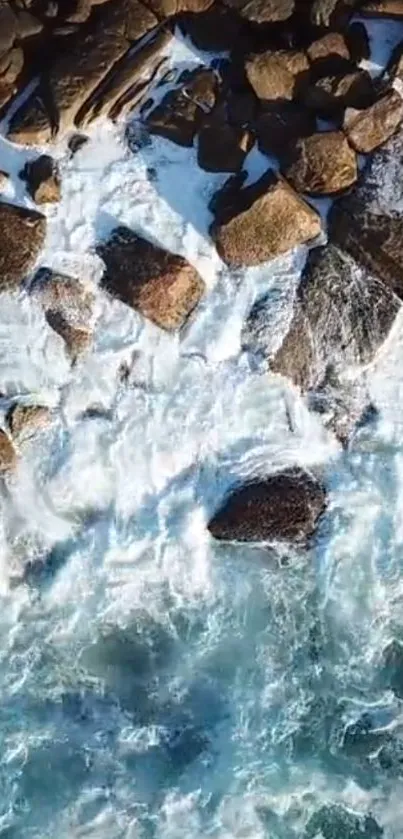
(292, 81)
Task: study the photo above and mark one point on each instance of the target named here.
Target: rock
(277, 74)
(222, 147)
(332, 821)
(69, 309)
(22, 235)
(383, 8)
(329, 47)
(167, 8)
(12, 65)
(76, 142)
(217, 29)
(330, 95)
(285, 506)
(332, 12)
(295, 357)
(8, 28)
(367, 130)
(180, 114)
(263, 11)
(27, 24)
(322, 164)
(4, 179)
(31, 125)
(8, 457)
(263, 221)
(26, 420)
(281, 126)
(43, 179)
(160, 285)
(358, 42)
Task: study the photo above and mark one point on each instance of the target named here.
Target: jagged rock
(217, 29)
(262, 221)
(22, 234)
(332, 821)
(43, 179)
(31, 125)
(168, 8)
(8, 457)
(26, 420)
(180, 114)
(263, 11)
(330, 95)
(222, 147)
(322, 164)
(383, 8)
(367, 130)
(4, 179)
(285, 506)
(69, 309)
(277, 74)
(281, 126)
(332, 12)
(358, 42)
(162, 286)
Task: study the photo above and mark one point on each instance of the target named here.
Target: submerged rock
(69, 309)
(22, 235)
(262, 221)
(162, 286)
(285, 506)
(8, 457)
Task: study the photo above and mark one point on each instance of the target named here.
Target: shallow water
(154, 685)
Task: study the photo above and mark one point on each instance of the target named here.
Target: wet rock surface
(25, 421)
(43, 180)
(69, 309)
(162, 286)
(22, 235)
(285, 506)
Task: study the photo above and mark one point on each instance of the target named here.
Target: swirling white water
(152, 683)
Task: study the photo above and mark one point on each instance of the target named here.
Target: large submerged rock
(285, 506)
(162, 286)
(22, 235)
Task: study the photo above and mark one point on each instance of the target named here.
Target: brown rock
(295, 357)
(12, 66)
(332, 45)
(330, 95)
(367, 130)
(8, 28)
(383, 8)
(285, 506)
(263, 11)
(8, 457)
(322, 164)
(69, 309)
(77, 341)
(332, 12)
(180, 114)
(263, 221)
(43, 179)
(27, 24)
(162, 286)
(281, 126)
(277, 75)
(26, 420)
(222, 147)
(22, 234)
(167, 8)
(31, 125)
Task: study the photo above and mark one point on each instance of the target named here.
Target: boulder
(8, 28)
(43, 179)
(368, 129)
(262, 221)
(383, 8)
(222, 147)
(332, 12)
(263, 11)
(26, 420)
(217, 29)
(330, 95)
(279, 127)
(28, 25)
(277, 74)
(322, 164)
(8, 457)
(167, 8)
(162, 286)
(358, 42)
(180, 114)
(69, 309)
(31, 124)
(22, 235)
(329, 49)
(283, 507)
(332, 820)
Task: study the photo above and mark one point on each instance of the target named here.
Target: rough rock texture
(26, 420)
(332, 821)
(367, 130)
(22, 234)
(8, 457)
(168, 8)
(322, 164)
(31, 125)
(383, 8)
(277, 75)
(162, 286)
(329, 46)
(218, 29)
(262, 221)
(278, 128)
(330, 95)
(285, 506)
(263, 11)
(43, 179)
(222, 146)
(69, 309)
(180, 114)
(332, 12)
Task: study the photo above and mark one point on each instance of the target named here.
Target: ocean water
(154, 684)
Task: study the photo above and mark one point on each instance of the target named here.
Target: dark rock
(263, 221)
(22, 234)
(162, 286)
(322, 164)
(31, 124)
(180, 114)
(358, 42)
(43, 179)
(281, 126)
(168, 8)
(285, 506)
(334, 822)
(368, 129)
(216, 30)
(263, 11)
(295, 357)
(333, 45)
(277, 74)
(330, 95)
(393, 667)
(27, 24)
(76, 142)
(8, 457)
(332, 12)
(8, 28)
(222, 147)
